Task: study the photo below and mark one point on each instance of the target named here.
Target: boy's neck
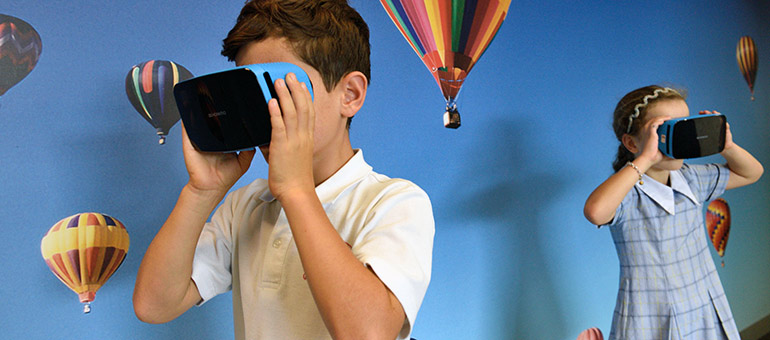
(327, 164)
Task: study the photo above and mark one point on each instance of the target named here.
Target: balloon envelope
(449, 36)
(84, 250)
(150, 89)
(746, 53)
(718, 224)
(20, 48)
(591, 334)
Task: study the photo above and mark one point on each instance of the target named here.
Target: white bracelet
(637, 172)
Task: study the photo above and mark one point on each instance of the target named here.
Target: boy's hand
(213, 172)
(728, 135)
(290, 155)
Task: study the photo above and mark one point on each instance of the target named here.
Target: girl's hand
(649, 140)
(728, 135)
(213, 172)
(290, 154)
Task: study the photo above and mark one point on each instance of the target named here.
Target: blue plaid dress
(669, 286)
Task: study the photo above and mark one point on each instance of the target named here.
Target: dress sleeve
(397, 244)
(708, 181)
(213, 254)
(620, 211)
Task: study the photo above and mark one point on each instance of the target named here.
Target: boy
(324, 248)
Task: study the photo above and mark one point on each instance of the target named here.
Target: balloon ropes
(20, 48)
(84, 250)
(746, 53)
(150, 89)
(449, 36)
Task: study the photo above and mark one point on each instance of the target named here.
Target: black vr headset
(227, 111)
(692, 137)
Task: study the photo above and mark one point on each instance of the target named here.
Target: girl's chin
(265, 150)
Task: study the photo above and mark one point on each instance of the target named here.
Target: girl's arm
(744, 168)
(604, 200)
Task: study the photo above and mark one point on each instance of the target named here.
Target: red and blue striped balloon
(150, 89)
(20, 48)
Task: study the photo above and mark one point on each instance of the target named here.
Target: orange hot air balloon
(84, 250)
(746, 53)
(718, 225)
(592, 333)
(449, 36)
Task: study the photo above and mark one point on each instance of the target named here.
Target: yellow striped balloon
(84, 250)
(746, 53)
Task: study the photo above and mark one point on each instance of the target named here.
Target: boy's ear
(354, 85)
(629, 143)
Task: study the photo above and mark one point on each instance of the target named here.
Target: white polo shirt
(248, 247)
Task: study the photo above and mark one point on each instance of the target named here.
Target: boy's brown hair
(328, 35)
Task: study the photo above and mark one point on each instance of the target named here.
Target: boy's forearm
(744, 168)
(164, 288)
(352, 300)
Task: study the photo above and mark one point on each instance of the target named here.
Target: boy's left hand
(728, 135)
(290, 153)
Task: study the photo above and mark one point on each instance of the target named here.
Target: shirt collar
(663, 194)
(355, 168)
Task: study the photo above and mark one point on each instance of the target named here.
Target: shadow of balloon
(507, 198)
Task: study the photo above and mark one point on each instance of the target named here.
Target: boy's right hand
(213, 172)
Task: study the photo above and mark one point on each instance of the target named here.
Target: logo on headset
(217, 114)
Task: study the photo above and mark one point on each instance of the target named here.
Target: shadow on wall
(508, 197)
(127, 174)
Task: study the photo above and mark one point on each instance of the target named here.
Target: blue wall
(513, 258)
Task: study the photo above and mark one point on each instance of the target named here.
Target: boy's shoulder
(376, 187)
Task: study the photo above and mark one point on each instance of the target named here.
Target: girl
(669, 287)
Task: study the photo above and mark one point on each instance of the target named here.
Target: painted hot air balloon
(718, 225)
(746, 53)
(150, 88)
(20, 48)
(592, 333)
(449, 36)
(84, 250)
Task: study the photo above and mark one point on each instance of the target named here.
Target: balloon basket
(86, 298)
(451, 118)
(161, 136)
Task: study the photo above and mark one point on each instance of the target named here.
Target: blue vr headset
(692, 137)
(227, 111)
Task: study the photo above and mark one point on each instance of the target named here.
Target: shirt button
(277, 243)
